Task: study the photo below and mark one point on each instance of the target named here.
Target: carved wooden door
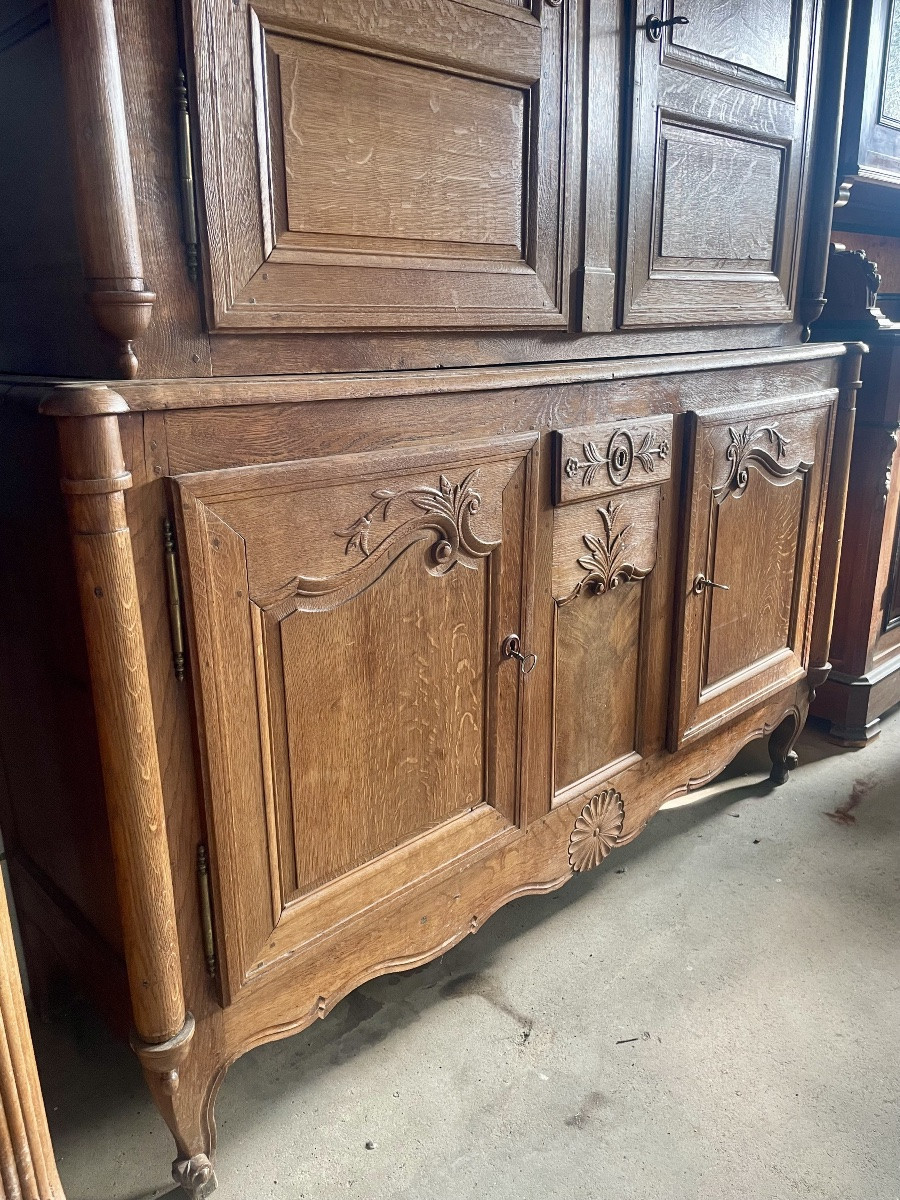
(754, 516)
(718, 156)
(396, 165)
(359, 720)
(609, 480)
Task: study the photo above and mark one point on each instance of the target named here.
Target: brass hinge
(186, 172)
(209, 944)
(176, 616)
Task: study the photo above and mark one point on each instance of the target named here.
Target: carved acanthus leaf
(442, 515)
(606, 566)
(744, 448)
(597, 829)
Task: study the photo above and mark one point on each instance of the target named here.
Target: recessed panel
(720, 197)
(890, 100)
(755, 36)
(385, 713)
(757, 544)
(597, 655)
(376, 148)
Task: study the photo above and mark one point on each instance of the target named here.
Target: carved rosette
(597, 830)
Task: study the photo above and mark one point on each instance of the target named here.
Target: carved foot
(781, 748)
(195, 1175)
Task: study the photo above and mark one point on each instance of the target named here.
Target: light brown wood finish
(27, 1166)
(719, 149)
(423, 520)
(410, 172)
(108, 230)
(94, 481)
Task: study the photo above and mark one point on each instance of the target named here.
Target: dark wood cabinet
(433, 365)
(865, 681)
(870, 132)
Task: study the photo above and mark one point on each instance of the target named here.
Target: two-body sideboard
(446, 481)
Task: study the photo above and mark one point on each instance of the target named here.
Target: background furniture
(447, 481)
(864, 259)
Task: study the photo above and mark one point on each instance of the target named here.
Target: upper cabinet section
(870, 134)
(718, 150)
(397, 165)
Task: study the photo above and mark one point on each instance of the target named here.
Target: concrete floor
(713, 1014)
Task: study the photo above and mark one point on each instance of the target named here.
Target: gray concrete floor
(713, 1014)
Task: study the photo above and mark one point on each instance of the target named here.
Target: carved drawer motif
(603, 557)
(597, 459)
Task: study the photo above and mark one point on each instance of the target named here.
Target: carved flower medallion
(597, 830)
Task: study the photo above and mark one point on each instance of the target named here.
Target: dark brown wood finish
(390, 596)
(866, 644)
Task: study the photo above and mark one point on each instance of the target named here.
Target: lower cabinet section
(447, 643)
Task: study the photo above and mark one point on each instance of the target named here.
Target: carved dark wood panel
(361, 724)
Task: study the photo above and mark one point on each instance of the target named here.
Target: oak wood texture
(94, 481)
(27, 1166)
(755, 510)
(493, 352)
(719, 147)
(338, 559)
(399, 172)
(108, 228)
(382, 300)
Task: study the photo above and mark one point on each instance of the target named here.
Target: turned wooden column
(94, 481)
(107, 213)
(27, 1165)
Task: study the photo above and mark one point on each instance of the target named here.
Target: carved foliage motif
(442, 515)
(744, 448)
(597, 829)
(606, 565)
(621, 455)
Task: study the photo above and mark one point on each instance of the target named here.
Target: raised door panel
(396, 166)
(605, 536)
(747, 587)
(719, 142)
(359, 722)
(879, 131)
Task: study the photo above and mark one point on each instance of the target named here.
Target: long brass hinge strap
(186, 173)
(176, 616)
(209, 944)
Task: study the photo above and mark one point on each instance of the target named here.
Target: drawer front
(719, 142)
(359, 721)
(754, 510)
(399, 166)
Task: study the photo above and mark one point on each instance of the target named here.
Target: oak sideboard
(415, 473)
